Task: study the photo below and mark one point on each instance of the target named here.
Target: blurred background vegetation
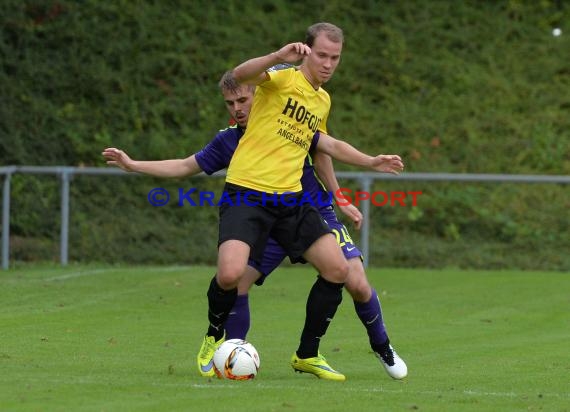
(452, 86)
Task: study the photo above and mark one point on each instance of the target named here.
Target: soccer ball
(236, 359)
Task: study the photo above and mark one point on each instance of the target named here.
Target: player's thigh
(298, 229)
(326, 256)
(343, 238)
(248, 224)
(232, 262)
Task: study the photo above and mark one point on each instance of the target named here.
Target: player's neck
(314, 82)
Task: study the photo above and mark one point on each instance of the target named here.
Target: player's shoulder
(229, 128)
(230, 134)
(281, 66)
(282, 72)
(232, 130)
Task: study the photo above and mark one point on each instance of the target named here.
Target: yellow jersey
(286, 113)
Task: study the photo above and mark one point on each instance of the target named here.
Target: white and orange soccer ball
(236, 359)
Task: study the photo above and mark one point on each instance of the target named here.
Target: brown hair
(332, 32)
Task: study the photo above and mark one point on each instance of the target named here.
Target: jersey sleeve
(278, 78)
(216, 155)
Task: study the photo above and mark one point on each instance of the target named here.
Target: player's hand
(388, 164)
(352, 213)
(116, 157)
(293, 52)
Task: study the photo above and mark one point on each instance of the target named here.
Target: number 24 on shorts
(342, 236)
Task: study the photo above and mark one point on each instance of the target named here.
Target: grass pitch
(95, 338)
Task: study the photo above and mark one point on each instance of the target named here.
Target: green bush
(468, 86)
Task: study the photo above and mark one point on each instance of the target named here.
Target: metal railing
(364, 179)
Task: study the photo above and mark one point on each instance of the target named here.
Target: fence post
(6, 221)
(64, 237)
(366, 183)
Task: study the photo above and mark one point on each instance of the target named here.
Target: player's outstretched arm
(253, 71)
(159, 168)
(324, 167)
(344, 152)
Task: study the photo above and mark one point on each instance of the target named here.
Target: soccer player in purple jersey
(216, 156)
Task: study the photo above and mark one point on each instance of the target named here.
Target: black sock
(381, 348)
(220, 302)
(322, 304)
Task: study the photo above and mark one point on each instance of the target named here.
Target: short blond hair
(332, 32)
(229, 83)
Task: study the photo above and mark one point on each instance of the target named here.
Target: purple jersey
(216, 155)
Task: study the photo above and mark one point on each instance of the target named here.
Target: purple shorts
(274, 254)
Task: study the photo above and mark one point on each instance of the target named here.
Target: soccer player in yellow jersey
(289, 107)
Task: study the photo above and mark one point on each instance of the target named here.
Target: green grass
(89, 338)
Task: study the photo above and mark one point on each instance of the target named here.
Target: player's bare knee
(344, 271)
(336, 273)
(359, 291)
(229, 278)
(357, 285)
